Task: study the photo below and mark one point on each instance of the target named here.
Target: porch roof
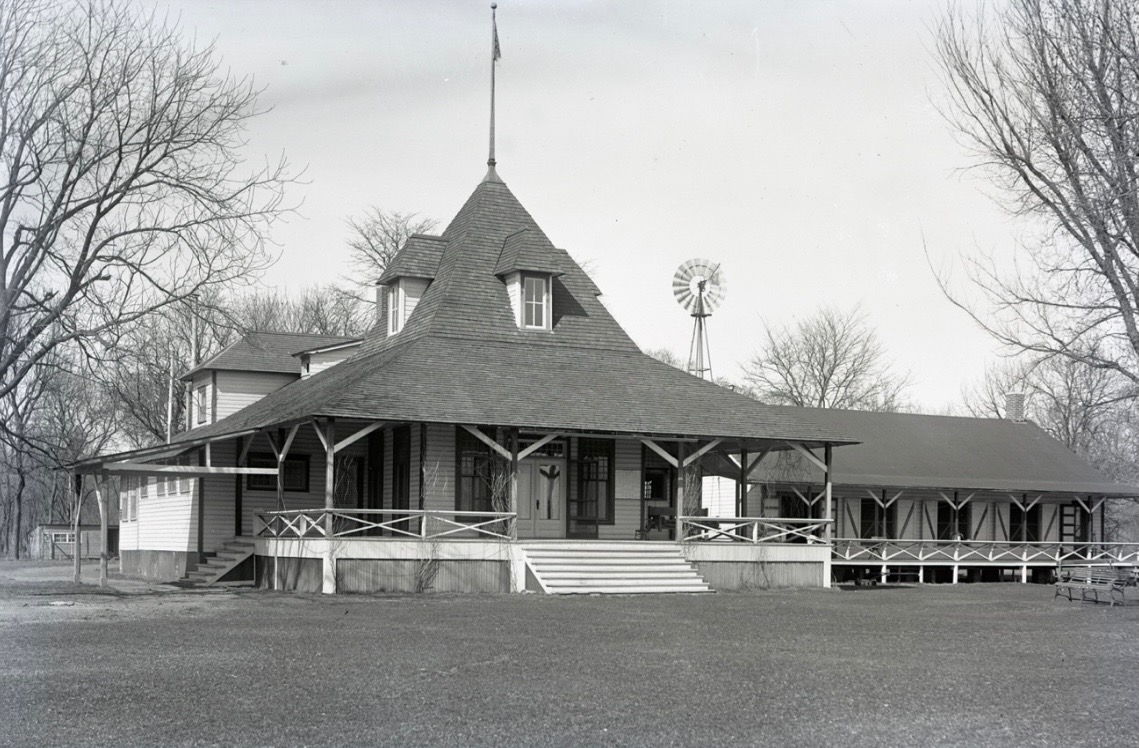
(541, 387)
(902, 450)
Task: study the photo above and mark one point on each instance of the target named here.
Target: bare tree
(122, 187)
(376, 237)
(1046, 95)
(830, 360)
(667, 356)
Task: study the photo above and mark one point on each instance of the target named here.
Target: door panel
(541, 498)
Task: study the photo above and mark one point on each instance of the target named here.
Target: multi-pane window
(395, 316)
(200, 402)
(952, 523)
(876, 521)
(478, 473)
(294, 473)
(1022, 525)
(535, 302)
(595, 479)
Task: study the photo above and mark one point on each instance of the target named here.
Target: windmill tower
(699, 287)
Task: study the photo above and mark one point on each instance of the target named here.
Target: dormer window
(403, 296)
(536, 302)
(395, 309)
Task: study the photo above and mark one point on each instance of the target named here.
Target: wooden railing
(425, 524)
(753, 529)
(899, 552)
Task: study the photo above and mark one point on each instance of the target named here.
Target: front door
(541, 498)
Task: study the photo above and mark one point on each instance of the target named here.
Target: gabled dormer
(406, 279)
(528, 265)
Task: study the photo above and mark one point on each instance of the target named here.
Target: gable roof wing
(268, 352)
(902, 450)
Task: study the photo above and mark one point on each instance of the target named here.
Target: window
(793, 507)
(476, 473)
(294, 475)
(877, 521)
(953, 523)
(535, 302)
(200, 403)
(395, 318)
(595, 480)
(1024, 526)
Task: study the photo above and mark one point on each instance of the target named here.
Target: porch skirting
(761, 566)
(368, 565)
(160, 566)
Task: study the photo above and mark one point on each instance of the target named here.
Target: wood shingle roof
(266, 352)
(461, 357)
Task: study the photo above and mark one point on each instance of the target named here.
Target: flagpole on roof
(495, 54)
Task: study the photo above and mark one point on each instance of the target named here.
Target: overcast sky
(797, 143)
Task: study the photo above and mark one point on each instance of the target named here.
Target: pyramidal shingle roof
(461, 357)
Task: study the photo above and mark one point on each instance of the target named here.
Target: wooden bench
(1094, 581)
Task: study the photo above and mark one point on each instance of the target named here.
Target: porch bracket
(701, 452)
(359, 435)
(478, 434)
(664, 455)
(288, 442)
(810, 456)
(523, 454)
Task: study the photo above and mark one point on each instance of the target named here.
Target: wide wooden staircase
(613, 568)
(229, 556)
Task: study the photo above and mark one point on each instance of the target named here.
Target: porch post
(101, 499)
(681, 480)
(328, 586)
(76, 512)
(514, 482)
(741, 490)
(828, 534)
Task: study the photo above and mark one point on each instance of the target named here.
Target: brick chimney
(1014, 406)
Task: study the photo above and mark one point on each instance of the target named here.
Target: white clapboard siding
(238, 389)
(327, 359)
(167, 522)
(413, 289)
(514, 292)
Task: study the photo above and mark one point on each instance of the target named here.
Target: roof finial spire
(495, 54)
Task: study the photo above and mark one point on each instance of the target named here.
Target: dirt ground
(145, 664)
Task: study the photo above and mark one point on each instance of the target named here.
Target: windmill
(699, 287)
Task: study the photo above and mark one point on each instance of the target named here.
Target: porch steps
(228, 557)
(561, 568)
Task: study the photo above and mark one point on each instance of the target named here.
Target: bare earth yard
(967, 665)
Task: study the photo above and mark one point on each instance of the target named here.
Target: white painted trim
(288, 442)
(701, 452)
(141, 468)
(319, 433)
(660, 451)
(346, 441)
(808, 454)
(523, 454)
(475, 432)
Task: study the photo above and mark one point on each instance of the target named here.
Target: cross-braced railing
(753, 529)
(424, 524)
(965, 552)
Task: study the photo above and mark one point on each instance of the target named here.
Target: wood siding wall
(238, 389)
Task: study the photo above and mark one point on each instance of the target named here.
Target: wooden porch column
(741, 490)
(681, 485)
(101, 500)
(828, 530)
(328, 585)
(514, 482)
(76, 513)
